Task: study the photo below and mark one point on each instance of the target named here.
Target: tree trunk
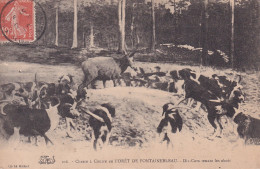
(120, 25)
(75, 26)
(91, 43)
(56, 27)
(84, 39)
(153, 28)
(132, 27)
(123, 44)
(175, 23)
(232, 4)
(68, 40)
(204, 34)
(44, 39)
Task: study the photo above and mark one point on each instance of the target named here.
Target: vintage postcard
(127, 84)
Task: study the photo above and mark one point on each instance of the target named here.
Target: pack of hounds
(34, 108)
(219, 95)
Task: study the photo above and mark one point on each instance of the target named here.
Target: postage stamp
(17, 21)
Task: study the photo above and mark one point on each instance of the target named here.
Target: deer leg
(36, 141)
(92, 85)
(114, 82)
(104, 83)
(29, 139)
(88, 81)
(119, 81)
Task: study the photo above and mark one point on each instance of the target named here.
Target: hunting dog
(248, 127)
(215, 106)
(170, 123)
(31, 122)
(101, 123)
(68, 109)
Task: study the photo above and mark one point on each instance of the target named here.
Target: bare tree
(204, 33)
(84, 39)
(57, 26)
(75, 25)
(121, 23)
(153, 42)
(91, 43)
(123, 27)
(175, 23)
(232, 4)
(133, 27)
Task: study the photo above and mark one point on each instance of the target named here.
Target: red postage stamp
(17, 21)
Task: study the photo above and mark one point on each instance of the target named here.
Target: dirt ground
(138, 109)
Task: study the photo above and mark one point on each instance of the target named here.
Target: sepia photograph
(129, 84)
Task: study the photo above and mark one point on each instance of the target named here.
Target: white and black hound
(68, 106)
(179, 76)
(31, 122)
(229, 105)
(207, 92)
(169, 124)
(192, 89)
(65, 84)
(101, 123)
(67, 92)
